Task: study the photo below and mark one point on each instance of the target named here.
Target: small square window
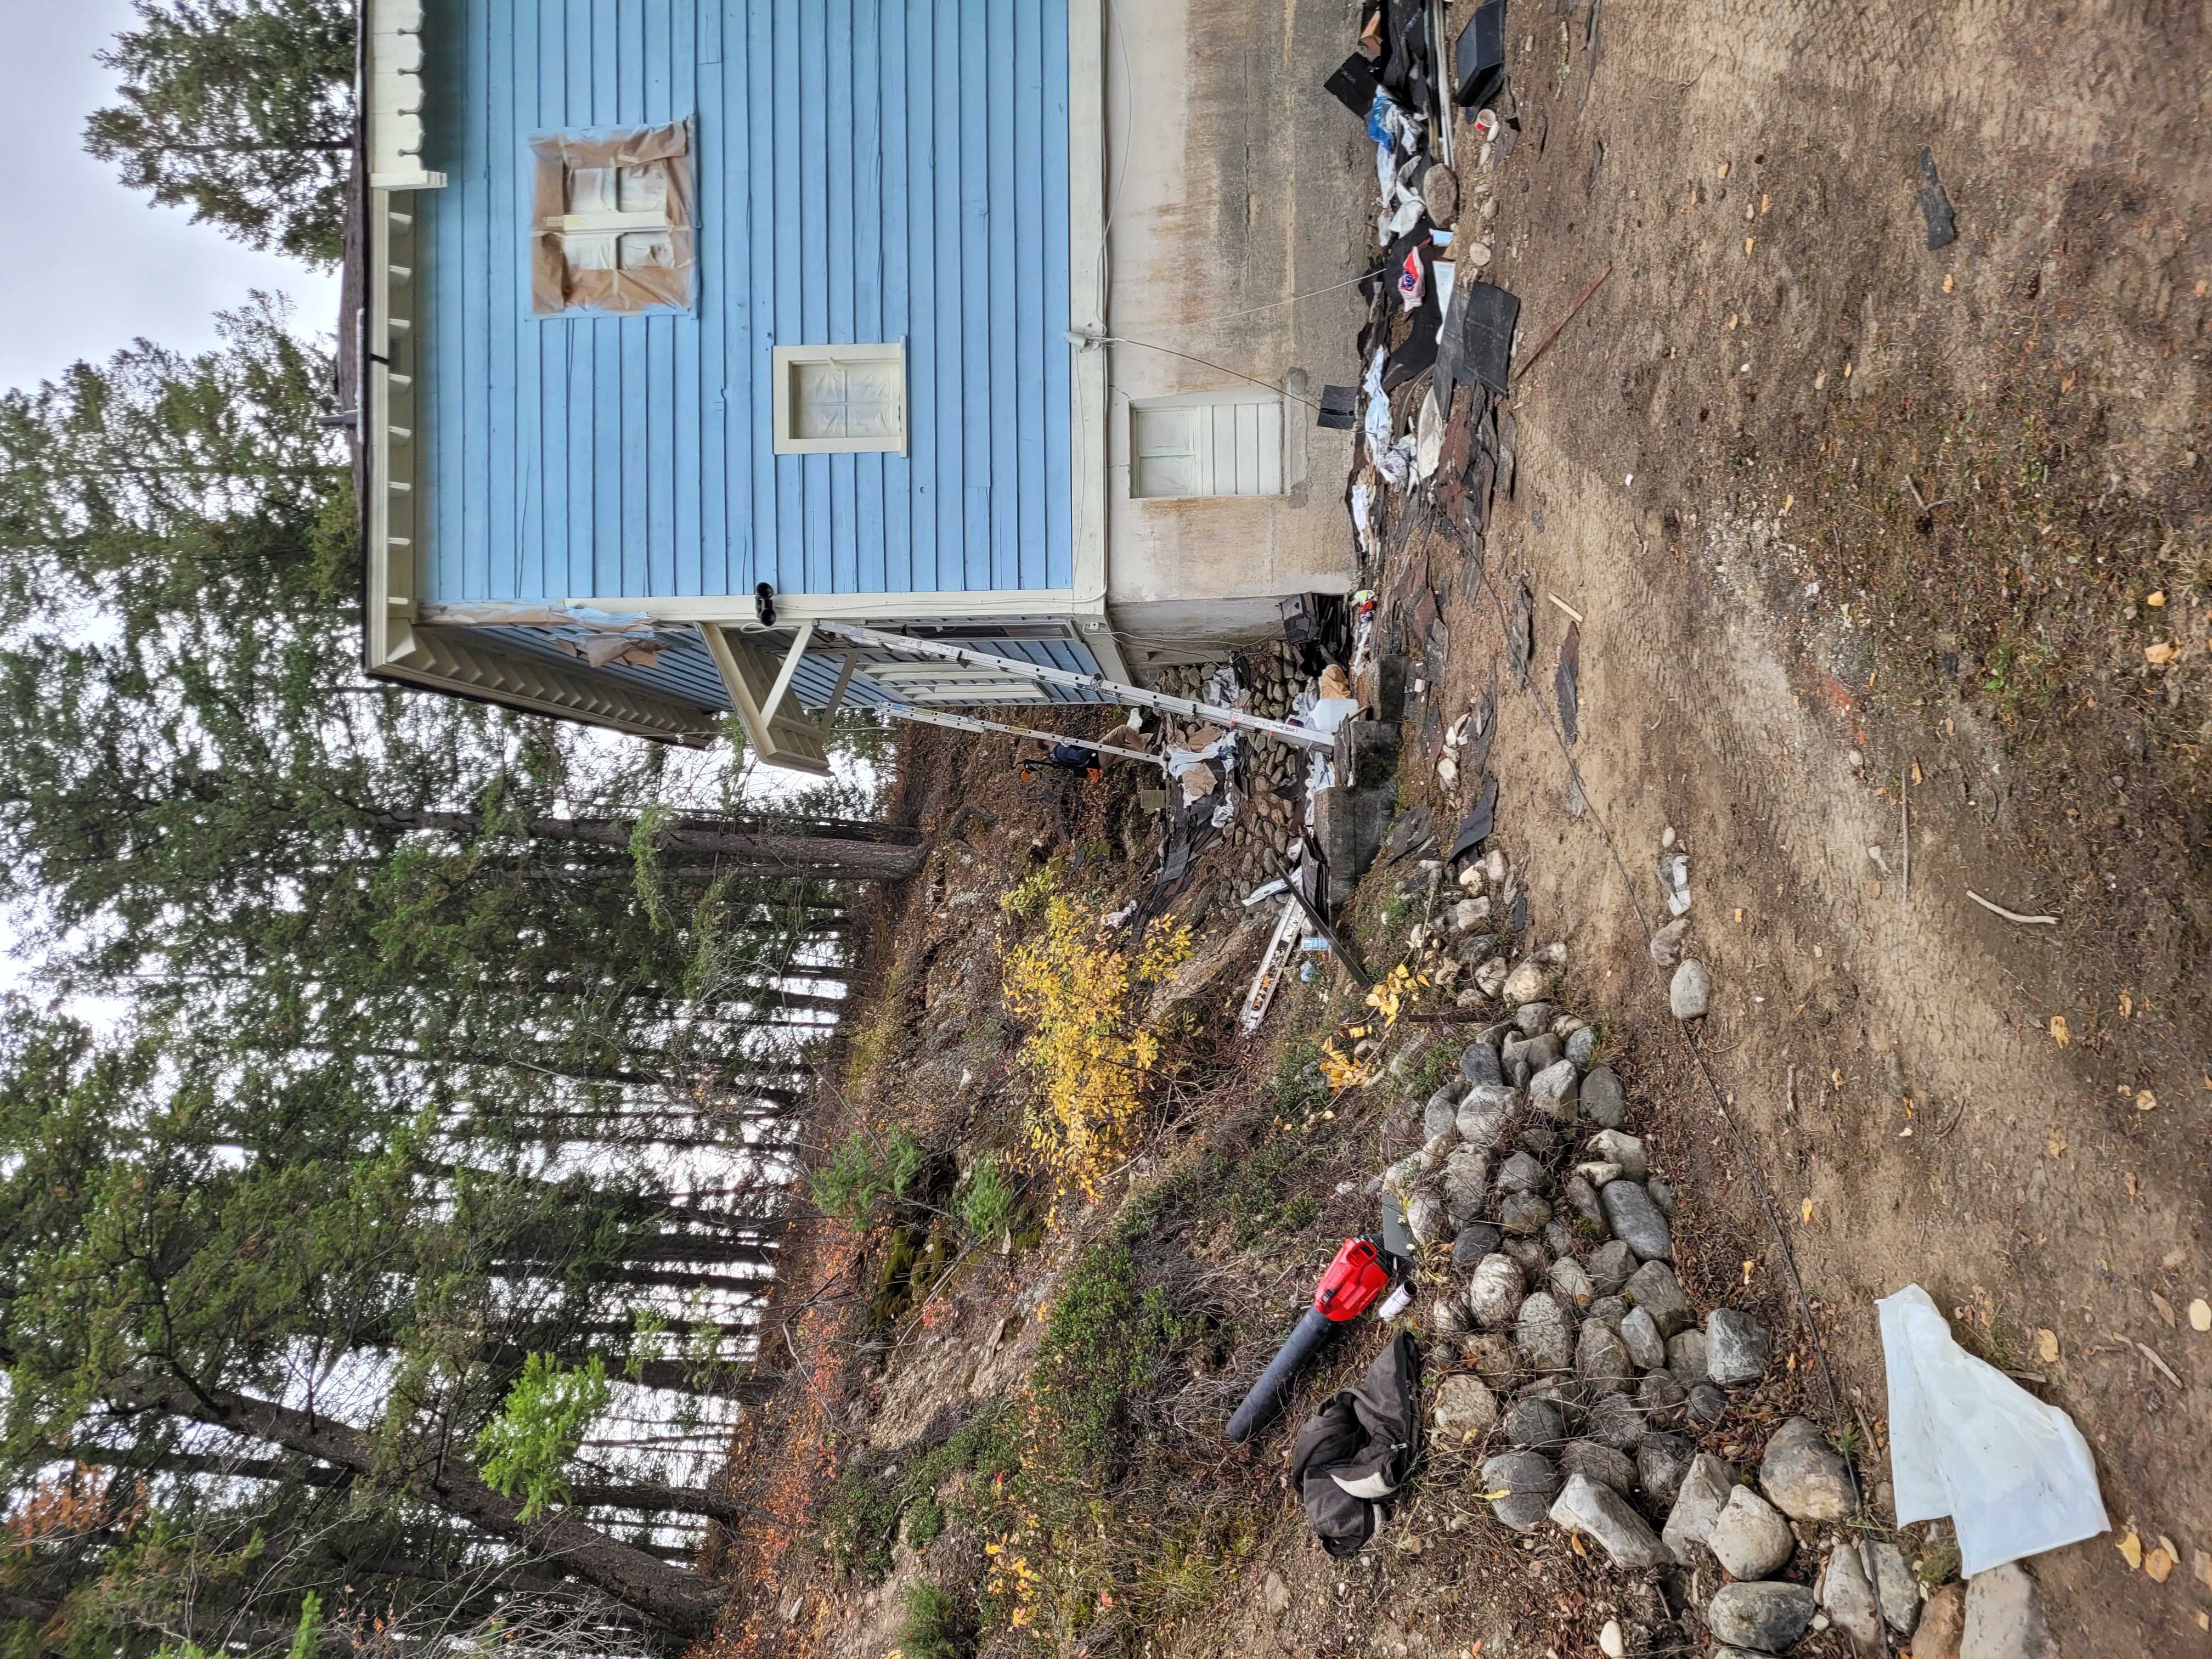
(839, 399)
(611, 228)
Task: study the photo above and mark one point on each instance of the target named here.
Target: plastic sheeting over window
(610, 227)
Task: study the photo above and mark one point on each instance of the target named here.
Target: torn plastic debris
(2013, 1474)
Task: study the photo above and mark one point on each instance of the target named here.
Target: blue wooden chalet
(688, 323)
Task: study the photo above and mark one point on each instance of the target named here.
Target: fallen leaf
(2133, 1191)
(1915, 771)
(2059, 1029)
(1746, 244)
(2165, 1308)
(2056, 1145)
(1808, 1212)
(1950, 282)
(2158, 1563)
(1748, 1266)
(2156, 601)
(2161, 653)
(2046, 1347)
(2127, 1006)
(2201, 1564)
(1788, 501)
(2200, 1319)
(1575, 1542)
(1836, 1077)
(1721, 170)
(2131, 1548)
(2145, 1100)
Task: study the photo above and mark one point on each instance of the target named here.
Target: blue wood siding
(866, 170)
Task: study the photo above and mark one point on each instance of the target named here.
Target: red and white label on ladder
(1274, 962)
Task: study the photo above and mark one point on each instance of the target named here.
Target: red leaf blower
(1362, 1271)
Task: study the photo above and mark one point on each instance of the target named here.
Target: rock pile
(1585, 1360)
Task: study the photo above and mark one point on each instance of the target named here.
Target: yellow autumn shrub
(1081, 996)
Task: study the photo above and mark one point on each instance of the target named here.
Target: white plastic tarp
(2013, 1474)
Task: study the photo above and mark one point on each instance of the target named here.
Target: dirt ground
(1894, 570)
(1855, 531)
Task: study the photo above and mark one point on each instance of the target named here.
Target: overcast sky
(110, 268)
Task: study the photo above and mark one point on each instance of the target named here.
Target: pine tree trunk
(681, 1600)
(742, 851)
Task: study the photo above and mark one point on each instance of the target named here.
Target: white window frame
(1203, 403)
(786, 359)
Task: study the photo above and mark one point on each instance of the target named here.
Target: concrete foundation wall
(1233, 183)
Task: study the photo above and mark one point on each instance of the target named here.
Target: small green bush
(934, 1628)
(924, 1523)
(861, 1171)
(985, 1203)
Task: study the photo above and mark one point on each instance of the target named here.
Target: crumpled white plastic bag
(2013, 1474)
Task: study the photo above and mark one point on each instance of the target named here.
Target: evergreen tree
(241, 110)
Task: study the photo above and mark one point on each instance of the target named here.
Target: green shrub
(934, 1627)
(985, 1203)
(861, 1171)
(1104, 1340)
(924, 1523)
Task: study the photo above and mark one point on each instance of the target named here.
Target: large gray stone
(1602, 1100)
(1615, 1147)
(1493, 1296)
(1465, 1409)
(1522, 1173)
(1535, 1260)
(1426, 1218)
(1635, 1221)
(1661, 1399)
(1736, 1346)
(1654, 1288)
(1483, 1114)
(1765, 1616)
(1666, 945)
(1611, 1265)
(1495, 1359)
(1609, 1311)
(1600, 1463)
(1690, 993)
(1555, 1089)
(1645, 1346)
(1531, 1018)
(1441, 1115)
(1707, 1404)
(1847, 1598)
(1581, 1045)
(1581, 1198)
(1571, 1284)
(1612, 1420)
(1465, 1185)
(1478, 1063)
(1473, 1243)
(1602, 1515)
(1524, 1213)
(1544, 1333)
(1534, 1422)
(2004, 1617)
(1662, 1461)
(1896, 1588)
(1703, 1495)
(1749, 1537)
(1803, 1475)
(1525, 1482)
(1686, 1353)
(1602, 1359)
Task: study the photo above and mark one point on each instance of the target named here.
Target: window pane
(587, 251)
(818, 399)
(643, 248)
(643, 190)
(591, 190)
(872, 399)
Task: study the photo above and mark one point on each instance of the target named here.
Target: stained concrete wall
(1233, 183)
